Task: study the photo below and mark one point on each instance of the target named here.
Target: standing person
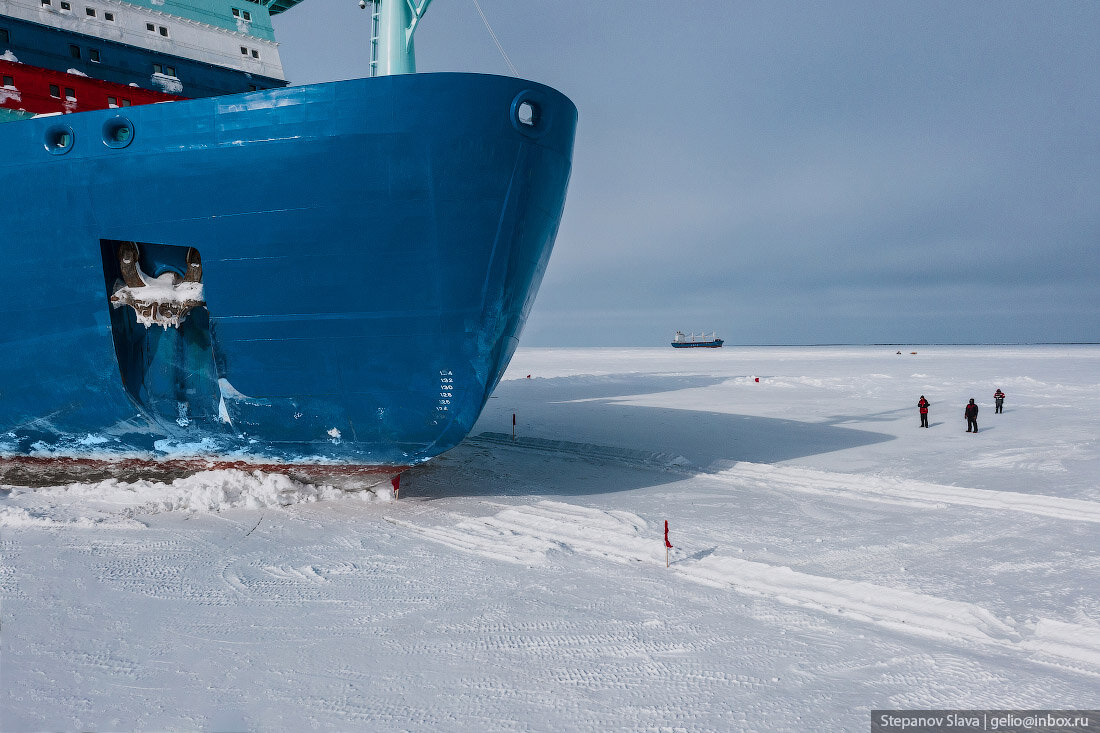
(999, 398)
(971, 413)
(923, 405)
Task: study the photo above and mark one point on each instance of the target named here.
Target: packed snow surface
(830, 557)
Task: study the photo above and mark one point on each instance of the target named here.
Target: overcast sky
(795, 172)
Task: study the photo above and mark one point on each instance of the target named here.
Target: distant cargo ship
(250, 274)
(682, 341)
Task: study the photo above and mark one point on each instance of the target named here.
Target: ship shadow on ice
(589, 410)
(573, 437)
(881, 416)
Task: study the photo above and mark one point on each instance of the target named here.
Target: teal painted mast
(393, 23)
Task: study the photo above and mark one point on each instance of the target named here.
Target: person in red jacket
(923, 405)
(971, 413)
(999, 400)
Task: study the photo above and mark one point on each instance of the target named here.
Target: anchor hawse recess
(164, 300)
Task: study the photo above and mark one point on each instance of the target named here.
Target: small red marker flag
(667, 543)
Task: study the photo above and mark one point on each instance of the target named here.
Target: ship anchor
(162, 301)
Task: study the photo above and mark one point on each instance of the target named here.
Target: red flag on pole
(668, 544)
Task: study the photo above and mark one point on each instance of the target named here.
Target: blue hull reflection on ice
(334, 273)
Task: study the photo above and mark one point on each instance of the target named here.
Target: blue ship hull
(370, 251)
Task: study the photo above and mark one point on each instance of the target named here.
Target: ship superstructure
(78, 55)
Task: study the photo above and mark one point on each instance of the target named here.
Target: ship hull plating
(370, 251)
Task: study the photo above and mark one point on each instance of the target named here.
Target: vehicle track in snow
(531, 534)
(863, 487)
(906, 491)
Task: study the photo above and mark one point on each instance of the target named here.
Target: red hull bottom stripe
(49, 471)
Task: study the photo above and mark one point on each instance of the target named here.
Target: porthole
(118, 132)
(59, 139)
(529, 114)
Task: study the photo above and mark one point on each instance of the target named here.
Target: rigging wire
(495, 39)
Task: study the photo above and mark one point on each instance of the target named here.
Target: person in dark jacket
(923, 404)
(999, 399)
(971, 413)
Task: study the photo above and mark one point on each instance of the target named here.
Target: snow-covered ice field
(830, 557)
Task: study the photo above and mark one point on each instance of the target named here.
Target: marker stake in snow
(396, 482)
(513, 427)
(668, 545)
